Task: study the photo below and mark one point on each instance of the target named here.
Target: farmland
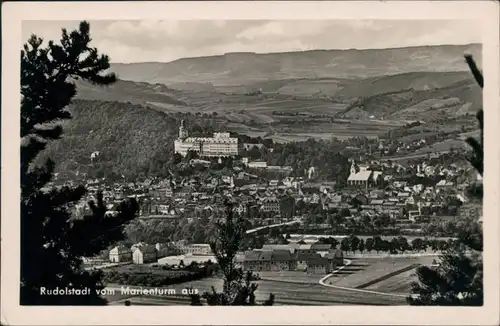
(298, 294)
(290, 276)
(399, 283)
(370, 273)
(298, 108)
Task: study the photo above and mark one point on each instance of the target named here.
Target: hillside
(460, 98)
(129, 91)
(130, 138)
(415, 81)
(248, 68)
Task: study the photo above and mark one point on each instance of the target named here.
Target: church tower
(354, 169)
(183, 133)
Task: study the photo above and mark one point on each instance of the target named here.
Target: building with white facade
(221, 144)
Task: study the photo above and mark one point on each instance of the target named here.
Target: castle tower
(183, 133)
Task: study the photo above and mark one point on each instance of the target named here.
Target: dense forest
(133, 140)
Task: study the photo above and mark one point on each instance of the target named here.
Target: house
(376, 203)
(257, 165)
(166, 249)
(302, 259)
(444, 184)
(335, 257)
(279, 168)
(273, 183)
(472, 210)
(137, 245)
(120, 254)
(403, 195)
(197, 249)
(145, 254)
(240, 209)
(410, 200)
(282, 260)
(376, 194)
(264, 261)
(334, 201)
(318, 265)
(270, 204)
(399, 184)
(317, 247)
(305, 249)
(251, 261)
(291, 247)
(248, 146)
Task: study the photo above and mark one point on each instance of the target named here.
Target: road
(271, 226)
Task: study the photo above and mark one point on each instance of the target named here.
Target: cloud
(166, 40)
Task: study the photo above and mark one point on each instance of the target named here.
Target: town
(319, 176)
(296, 222)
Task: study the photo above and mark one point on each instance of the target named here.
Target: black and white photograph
(226, 161)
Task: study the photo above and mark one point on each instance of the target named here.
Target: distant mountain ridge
(247, 68)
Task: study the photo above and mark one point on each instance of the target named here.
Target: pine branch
(52, 243)
(475, 70)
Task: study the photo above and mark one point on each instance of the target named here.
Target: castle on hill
(221, 144)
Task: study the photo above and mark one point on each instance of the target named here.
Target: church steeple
(354, 169)
(183, 133)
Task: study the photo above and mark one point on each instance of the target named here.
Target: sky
(164, 41)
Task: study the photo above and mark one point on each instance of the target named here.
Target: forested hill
(137, 142)
(132, 139)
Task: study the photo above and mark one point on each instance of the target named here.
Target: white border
(14, 12)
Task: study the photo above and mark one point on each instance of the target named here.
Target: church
(220, 145)
(362, 177)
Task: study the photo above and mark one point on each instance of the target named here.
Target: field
(296, 109)
(386, 275)
(399, 283)
(286, 294)
(290, 276)
(380, 274)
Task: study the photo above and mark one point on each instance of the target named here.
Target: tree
(361, 246)
(417, 244)
(369, 244)
(394, 245)
(53, 243)
(403, 244)
(344, 212)
(377, 243)
(238, 289)
(345, 245)
(354, 243)
(287, 206)
(458, 278)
